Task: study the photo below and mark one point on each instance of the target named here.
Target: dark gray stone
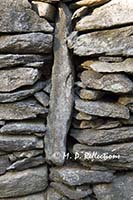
(4, 164)
(43, 98)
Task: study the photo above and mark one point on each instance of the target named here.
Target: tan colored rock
(15, 78)
(125, 100)
(80, 12)
(116, 12)
(90, 94)
(82, 116)
(89, 3)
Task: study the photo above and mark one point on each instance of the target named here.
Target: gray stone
(4, 164)
(21, 110)
(82, 116)
(117, 156)
(26, 163)
(23, 127)
(51, 194)
(71, 193)
(114, 42)
(14, 184)
(30, 43)
(29, 60)
(43, 98)
(128, 121)
(19, 143)
(110, 59)
(98, 137)
(99, 108)
(121, 188)
(21, 93)
(61, 98)
(90, 94)
(76, 175)
(38, 196)
(114, 13)
(88, 3)
(116, 83)
(105, 67)
(48, 86)
(18, 77)
(80, 12)
(17, 16)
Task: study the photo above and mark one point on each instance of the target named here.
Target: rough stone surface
(17, 184)
(80, 12)
(125, 100)
(17, 16)
(82, 116)
(114, 13)
(20, 110)
(30, 43)
(90, 94)
(114, 42)
(102, 109)
(4, 164)
(88, 3)
(120, 188)
(39, 196)
(52, 194)
(61, 98)
(43, 98)
(15, 78)
(97, 137)
(73, 176)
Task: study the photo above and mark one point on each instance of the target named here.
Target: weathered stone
(21, 93)
(48, 86)
(21, 110)
(2, 123)
(117, 156)
(125, 100)
(130, 106)
(110, 59)
(114, 13)
(26, 163)
(127, 121)
(38, 196)
(71, 193)
(125, 66)
(4, 164)
(29, 60)
(113, 42)
(17, 16)
(14, 184)
(15, 78)
(61, 98)
(43, 98)
(51, 194)
(19, 143)
(120, 188)
(97, 137)
(45, 10)
(82, 116)
(76, 175)
(80, 12)
(99, 108)
(89, 3)
(23, 127)
(116, 83)
(30, 43)
(80, 84)
(90, 94)
(49, 1)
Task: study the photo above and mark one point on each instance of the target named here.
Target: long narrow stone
(61, 99)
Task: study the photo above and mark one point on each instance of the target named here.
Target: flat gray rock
(4, 164)
(113, 43)
(43, 98)
(14, 78)
(19, 143)
(103, 109)
(75, 175)
(61, 98)
(14, 184)
(38, 196)
(97, 137)
(18, 16)
(114, 13)
(120, 188)
(52, 194)
(30, 43)
(23, 127)
(21, 110)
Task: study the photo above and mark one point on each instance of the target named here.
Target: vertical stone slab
(61, 98)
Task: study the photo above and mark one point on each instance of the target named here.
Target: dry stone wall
(66, 100)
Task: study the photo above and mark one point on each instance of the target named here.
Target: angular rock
(73, 176)
(120, 188)
(21, 110)
(82, 116)
(21, 93)
(19, 143)
(98, 137)
(61, 98)
(105, 67)
(80, 12)
(43, 98)
(29, 60)
(23, 127)
(125, 100)
(17, 16)
(103, 109)
(51, 194)
(116, 83)
(71, 193)
(48, 86)
(45, 10)
(110, 59)
(26, 163)
(128, 122)
(38, 196)
(113, 43)
(88, 3)
(4, 164)
(90, 94)
(117, 156)
(14, 184)
(15, 78)
(30, 43)
(114, 13)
